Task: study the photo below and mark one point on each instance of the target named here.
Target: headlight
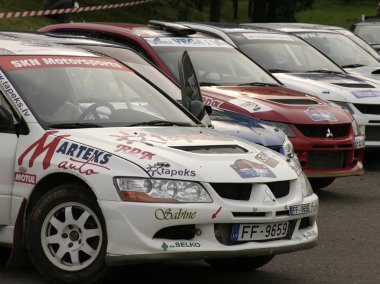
(344, 106)
(305, 185)
(160, 190)
(284, 127)
(288, 148)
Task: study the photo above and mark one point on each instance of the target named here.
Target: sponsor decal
(158, 170)
(12, 93)
(366, 94)
(250, 106)
(212, 102)
(249, 169)
(25, 178)
(269, 197)
(26, 62)
(168, 214)
(262, 157)
(149, 138)
(166, 246)
(259, 36)
(319, 115)
(309, 234)
(187, 42)
(125, 149)
(81, 158)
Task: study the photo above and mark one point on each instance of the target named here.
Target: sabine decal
(366, 94)
(262, 157)
(166, 246)
(10, 91)
(158, 170)
(168, 214)
(319, 115)
(125, 149)
(25, 178)
(249, 169)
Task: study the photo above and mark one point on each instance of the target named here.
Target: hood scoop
(213, 149)
(295, 101)
(354, 85)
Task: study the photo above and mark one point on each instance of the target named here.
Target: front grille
(213, 149)
(372, 133)
(295, 101)
(223, 233)
(326, 160)
(235, 191)
(354, 85)
(368, 109)
(337, 130)
(279, 188)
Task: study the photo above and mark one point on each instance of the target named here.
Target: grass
(332, 12)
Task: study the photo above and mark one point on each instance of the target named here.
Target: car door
(8, 147)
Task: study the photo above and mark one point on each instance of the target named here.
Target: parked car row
(131, 143)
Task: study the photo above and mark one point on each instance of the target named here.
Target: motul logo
(25, 178)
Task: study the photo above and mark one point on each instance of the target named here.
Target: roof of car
(31, 43)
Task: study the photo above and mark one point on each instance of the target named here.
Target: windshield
(370, 33)
(70, 92)
(339, 48)
(283, 53)
(361, 42)
(215, 62)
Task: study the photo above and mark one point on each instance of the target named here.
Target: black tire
(319, 183)
(241, 263)
(67, 222)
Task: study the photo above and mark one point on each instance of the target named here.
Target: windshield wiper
(259, 84)
(73, 125)
(160, 123)
(324, 71)
(352, 65)
(278, 71)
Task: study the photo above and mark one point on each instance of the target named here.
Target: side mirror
(6, 119)
(198, 109)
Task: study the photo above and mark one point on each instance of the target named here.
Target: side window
(4, 104)
(17, 126)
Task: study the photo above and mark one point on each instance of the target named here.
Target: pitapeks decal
(366, 94)
(11, 63)
(158, 170)
(249, 169)
(166, 246)
(250, 106)
(25, 178)
(317, 114)
(168, 214)
(12, 93)
(262, 157)
(83, 159)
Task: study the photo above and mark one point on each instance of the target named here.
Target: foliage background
(333, 12)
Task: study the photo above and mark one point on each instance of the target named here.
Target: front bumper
(153, 231)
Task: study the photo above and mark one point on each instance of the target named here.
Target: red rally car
(325, 137)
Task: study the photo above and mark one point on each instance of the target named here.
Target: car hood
(333, 87)
(275, 104)
(188, 153)
(247, 127)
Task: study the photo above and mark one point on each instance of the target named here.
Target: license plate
(256, 232)
(359, 142)
(299, 209)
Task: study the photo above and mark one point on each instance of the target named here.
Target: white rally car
(100, 168)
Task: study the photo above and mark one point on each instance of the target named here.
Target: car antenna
(76, 6)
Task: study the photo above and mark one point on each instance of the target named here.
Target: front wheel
(241, 263)
(66, 235)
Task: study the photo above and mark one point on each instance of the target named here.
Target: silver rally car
(102, 168)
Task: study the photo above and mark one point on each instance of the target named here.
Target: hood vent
(213, 149)
(354, 85)
(295, 101)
